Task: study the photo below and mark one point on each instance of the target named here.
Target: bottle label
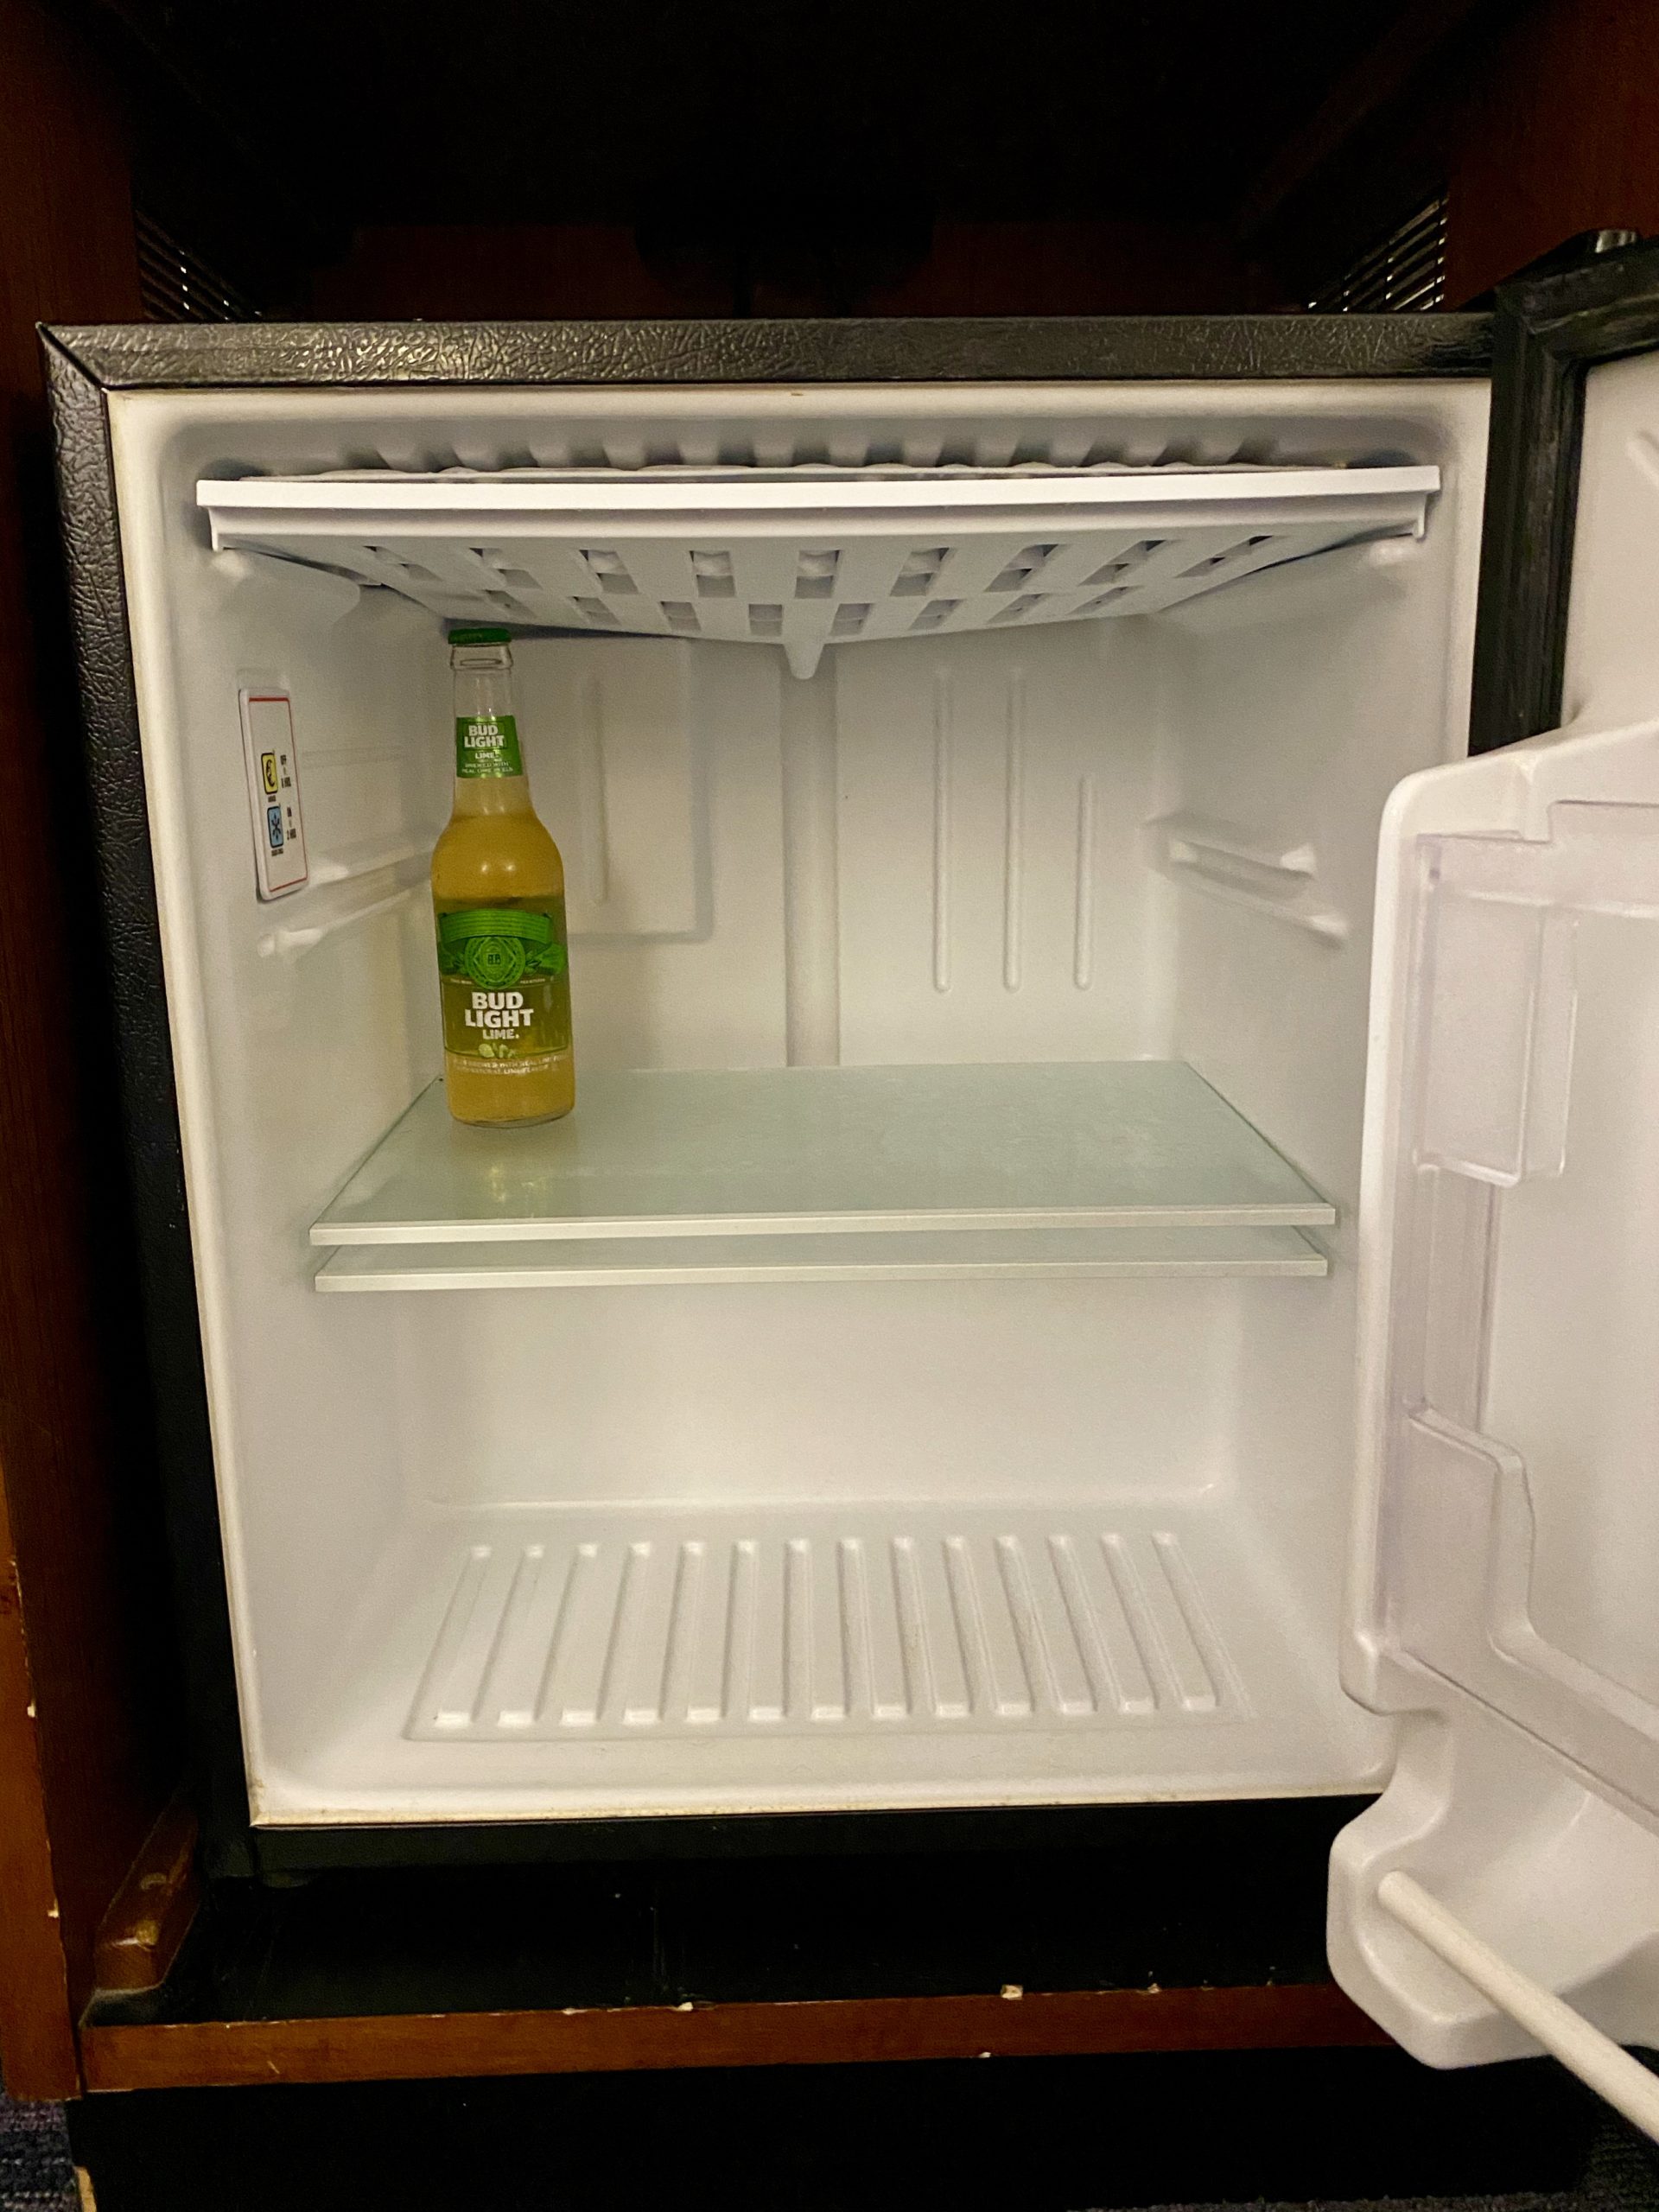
(504, 974)
(487, 745)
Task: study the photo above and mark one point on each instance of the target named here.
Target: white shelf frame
(1083, 1254)
(805, 558)
(1087, 1170)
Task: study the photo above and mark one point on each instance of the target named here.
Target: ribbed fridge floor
(589, 1661)
(708, 1624)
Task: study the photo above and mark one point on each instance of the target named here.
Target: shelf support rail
(289, 943)
(1597, 2060)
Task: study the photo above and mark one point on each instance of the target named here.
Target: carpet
(36, 2174)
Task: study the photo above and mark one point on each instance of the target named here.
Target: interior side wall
(299, 1034)
(1293, 703)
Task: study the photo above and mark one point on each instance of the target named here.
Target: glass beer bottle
(498, 895)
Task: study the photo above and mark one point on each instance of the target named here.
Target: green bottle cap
(480, 636)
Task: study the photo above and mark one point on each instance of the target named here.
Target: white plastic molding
(805, 556)
(1581, 2047)
(288, 943)
(1079, 1255)
(716, 1625)
(1227, 863)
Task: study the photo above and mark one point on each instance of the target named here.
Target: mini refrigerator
(1108, 1253)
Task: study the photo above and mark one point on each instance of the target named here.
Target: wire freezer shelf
(805, 558)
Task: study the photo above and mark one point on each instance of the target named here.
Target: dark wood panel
(1560, 134)
(153, 1909)
(1411, 46)
(1095, 267)
(1143, 1927)
(477, 271)
(228, 2053)
(37, 2043)
(1539, 119)
(600, 271)
(1126, 1898)
(84, 1558)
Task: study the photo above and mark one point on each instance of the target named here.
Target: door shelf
(1109, 1168)
(807, 556)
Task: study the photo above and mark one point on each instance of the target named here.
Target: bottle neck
(489, 769)
(492, 795)
(483, 691)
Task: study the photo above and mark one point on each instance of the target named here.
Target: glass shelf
(920, 1256)
(1117, 1167)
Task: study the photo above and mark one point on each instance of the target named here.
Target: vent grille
(1402, 274)
(177, 286)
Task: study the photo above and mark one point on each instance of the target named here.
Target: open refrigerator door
(1502, 1894)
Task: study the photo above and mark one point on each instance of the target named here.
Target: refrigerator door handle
(1597, 2060)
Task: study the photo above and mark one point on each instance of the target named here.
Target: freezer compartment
(1079, 910)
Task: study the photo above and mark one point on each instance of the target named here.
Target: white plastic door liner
(1506, 1560)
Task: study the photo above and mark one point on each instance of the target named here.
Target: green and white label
(487, 745)
(504, 975)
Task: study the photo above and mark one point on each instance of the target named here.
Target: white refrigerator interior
(922, 1373)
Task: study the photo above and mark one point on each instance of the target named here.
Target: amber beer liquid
(497, 897)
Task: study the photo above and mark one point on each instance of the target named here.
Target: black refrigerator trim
(1548, 332)
(84, 366)
(170, 1321)
(125, 356)
(1114, 1898)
